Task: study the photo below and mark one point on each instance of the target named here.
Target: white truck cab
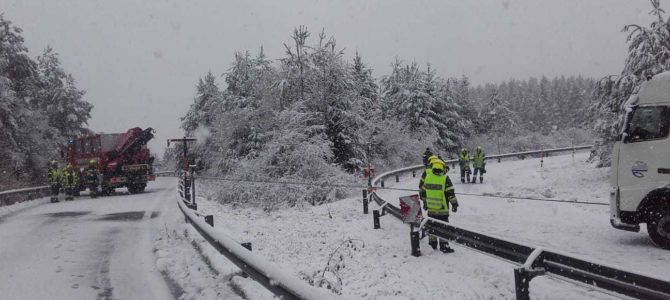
(641, 163)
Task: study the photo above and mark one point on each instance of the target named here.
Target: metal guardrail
(521, 155)
(10, 197)
(262, 271)
(536, 261)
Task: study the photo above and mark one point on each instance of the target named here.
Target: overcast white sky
(139, 60)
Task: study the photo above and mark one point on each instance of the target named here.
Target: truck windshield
(648, 123)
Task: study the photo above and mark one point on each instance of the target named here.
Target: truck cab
(640, 175)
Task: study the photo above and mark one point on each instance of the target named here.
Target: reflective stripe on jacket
(53, 176)
(422, 190)
(464, 160)
(479, 159)
(69, 178)
(436, 186)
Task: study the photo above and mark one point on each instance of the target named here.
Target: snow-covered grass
(333, 245)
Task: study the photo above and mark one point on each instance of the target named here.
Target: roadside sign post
(188, 179)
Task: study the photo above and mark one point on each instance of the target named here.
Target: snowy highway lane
(87, 248)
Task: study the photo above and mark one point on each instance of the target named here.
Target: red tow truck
(123, 159)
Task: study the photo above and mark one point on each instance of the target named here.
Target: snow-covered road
(87, 248)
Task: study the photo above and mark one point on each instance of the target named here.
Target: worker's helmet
(438, 166)
(91, 163)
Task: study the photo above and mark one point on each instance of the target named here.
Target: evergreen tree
(648, 55)
(366, 95)
(39, 106)
(59, 98)
(205, 104)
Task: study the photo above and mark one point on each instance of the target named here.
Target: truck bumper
(616, 223)
(629, 222)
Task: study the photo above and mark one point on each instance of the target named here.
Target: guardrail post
(365, 202)
(193, 189)
(375, 219)
(397, 178)
(522, 283)
(209, 219)
(414, 238)
(248, 246)
(187, 189)
(524, 274)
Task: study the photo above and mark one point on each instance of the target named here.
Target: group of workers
(437, 191)
(67, 180)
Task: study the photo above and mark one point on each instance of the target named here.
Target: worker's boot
(462, 179)
(474, 180)
(433, 244)
(444, 247)
(481, 179)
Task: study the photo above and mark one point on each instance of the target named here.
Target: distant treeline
(317, 116)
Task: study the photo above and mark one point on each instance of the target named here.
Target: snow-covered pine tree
(405, 94)
(294, 68)
(332, 94)
(205, 104)
(59, 98)
(366, 97)
(31, 128)
(648, 55)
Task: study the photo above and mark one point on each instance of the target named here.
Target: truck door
(644, 154)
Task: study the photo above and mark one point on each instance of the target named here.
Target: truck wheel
(659, 230)
(107, 191)
(133, 189)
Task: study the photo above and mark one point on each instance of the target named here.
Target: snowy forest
(319, 115)
(40, 107)
(316, 116)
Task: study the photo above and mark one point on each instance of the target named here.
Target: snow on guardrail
(10, 197)
(263, 271)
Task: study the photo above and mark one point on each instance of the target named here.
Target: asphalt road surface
(86, 248)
